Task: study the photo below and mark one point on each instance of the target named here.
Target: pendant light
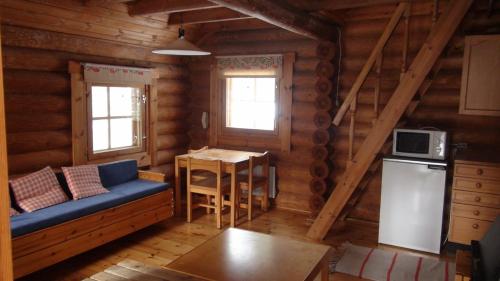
(181, 47)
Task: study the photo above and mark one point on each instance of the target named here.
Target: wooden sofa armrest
(151, 176)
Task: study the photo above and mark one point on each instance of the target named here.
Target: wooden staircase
(403, 102)
(386, 149)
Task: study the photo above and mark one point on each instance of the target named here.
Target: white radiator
(272, 182)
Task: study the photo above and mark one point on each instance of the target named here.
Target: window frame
(277, 140)
(144, 123)
(79, 121)
(256, 132)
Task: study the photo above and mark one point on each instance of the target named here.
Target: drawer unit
(474, 212)
(476, 185)
(463, 230)
(477, 171)
(475, 200)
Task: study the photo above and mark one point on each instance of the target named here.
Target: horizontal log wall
(38, 95)
(172, 130)
(293, 169)
(438, 108)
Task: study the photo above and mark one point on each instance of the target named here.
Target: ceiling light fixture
(181, 47)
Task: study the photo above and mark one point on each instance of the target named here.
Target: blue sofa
(133, 194)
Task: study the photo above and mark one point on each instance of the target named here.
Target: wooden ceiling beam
(349, 4)
(97, 2)
(205, 16)
(246, 24)
(315, 5)
(282, 16)
(148, 7)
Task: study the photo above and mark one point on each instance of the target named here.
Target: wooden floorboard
(160, 244)
(105, 276)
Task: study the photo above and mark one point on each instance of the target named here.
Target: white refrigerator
(412, 203)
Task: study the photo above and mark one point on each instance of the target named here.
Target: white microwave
(420, 143)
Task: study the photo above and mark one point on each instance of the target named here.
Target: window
(117, 118)
(246, 96)
(113, 112)
(251, 99)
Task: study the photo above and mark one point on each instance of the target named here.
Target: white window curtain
(255, 65)
(102, 73)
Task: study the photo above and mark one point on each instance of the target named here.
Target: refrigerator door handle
(436, 167)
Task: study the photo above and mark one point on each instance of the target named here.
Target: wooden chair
(200, 174)
(215, 185)
(256, 186)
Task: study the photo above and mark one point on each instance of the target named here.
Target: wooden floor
(130, 270)
(162, 243)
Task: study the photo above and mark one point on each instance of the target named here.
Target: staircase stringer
(394, 110)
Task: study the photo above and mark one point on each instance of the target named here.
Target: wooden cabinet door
(480, 91)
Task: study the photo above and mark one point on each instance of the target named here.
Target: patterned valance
(259, 65)
(102, 73)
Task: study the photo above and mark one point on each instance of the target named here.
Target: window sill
(272, 143)
(143, 159)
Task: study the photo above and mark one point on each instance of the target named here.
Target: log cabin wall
(292, 169)
(438, 108)
(37, 83)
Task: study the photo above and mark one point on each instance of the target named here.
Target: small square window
(117, 118)
(251, 103)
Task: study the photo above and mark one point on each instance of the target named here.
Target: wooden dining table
(233, 162)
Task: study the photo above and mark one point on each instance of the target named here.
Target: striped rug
(382, 265)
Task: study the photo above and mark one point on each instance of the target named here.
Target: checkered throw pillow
(83, 181)
(13, 212)
(38, 190)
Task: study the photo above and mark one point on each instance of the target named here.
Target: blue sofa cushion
(13, 203)
(119, 194)
(138, 188)
(64, 185)
(116, 173)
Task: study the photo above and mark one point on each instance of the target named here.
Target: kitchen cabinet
(480, 89)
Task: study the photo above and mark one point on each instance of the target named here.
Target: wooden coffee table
(239, 254)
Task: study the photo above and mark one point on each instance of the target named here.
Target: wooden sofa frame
(45, 247)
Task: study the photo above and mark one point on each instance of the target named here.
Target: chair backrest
(213, 166)
(197, 150)
(256, 161)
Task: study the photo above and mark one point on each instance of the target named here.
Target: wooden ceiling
(152, 23)
(96, 19)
